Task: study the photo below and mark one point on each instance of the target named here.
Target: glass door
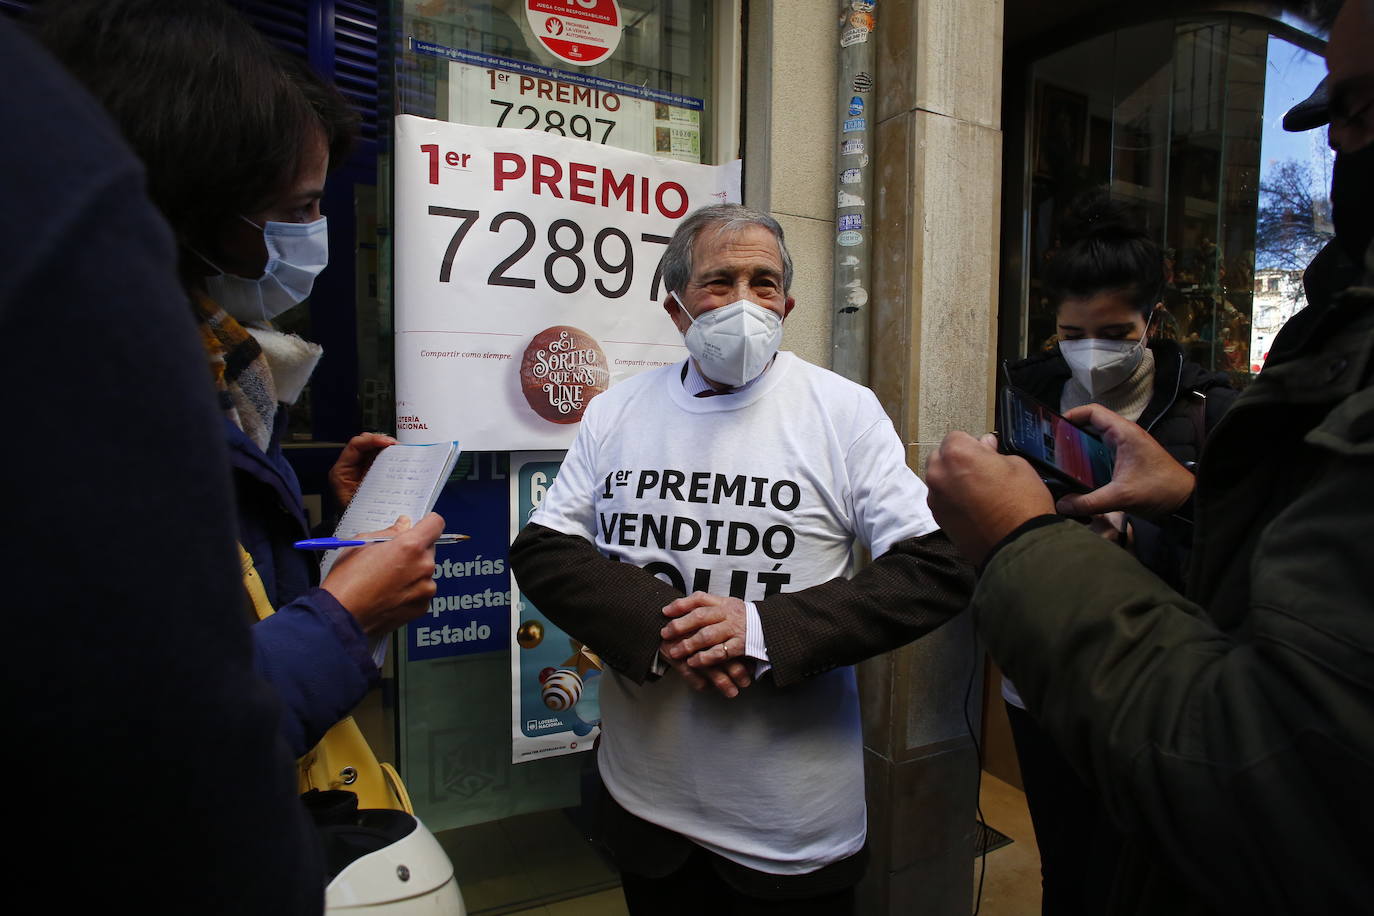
(1181, 119)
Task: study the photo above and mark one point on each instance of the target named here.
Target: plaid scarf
(247, 394)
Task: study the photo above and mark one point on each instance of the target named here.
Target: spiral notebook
(403, 480)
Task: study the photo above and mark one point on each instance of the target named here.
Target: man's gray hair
(677, 260)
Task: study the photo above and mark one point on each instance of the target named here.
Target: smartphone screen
(1071, 455)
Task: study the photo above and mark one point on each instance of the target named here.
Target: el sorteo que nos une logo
(562, 370)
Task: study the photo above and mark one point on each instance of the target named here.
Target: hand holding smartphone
(1065, 455)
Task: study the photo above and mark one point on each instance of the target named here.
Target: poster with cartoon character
(555, 680)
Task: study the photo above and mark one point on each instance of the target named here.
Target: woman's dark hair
(220, 117)
(1101, 250)
(338, 118)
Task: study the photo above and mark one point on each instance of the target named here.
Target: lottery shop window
(635, 74)
(1181, 120)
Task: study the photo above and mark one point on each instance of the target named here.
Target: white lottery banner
(527, 277)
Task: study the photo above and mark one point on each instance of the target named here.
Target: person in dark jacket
(1227, 731)
(237, 139)
(1106, 281)
(146, 751)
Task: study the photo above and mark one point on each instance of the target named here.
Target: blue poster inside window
(470, 613)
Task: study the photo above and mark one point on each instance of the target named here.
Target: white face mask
(1101, 365)
(296, 253)
(733, 344)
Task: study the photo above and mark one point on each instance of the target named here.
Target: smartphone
(1064, 454)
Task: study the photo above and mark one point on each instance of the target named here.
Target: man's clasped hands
(704, 642)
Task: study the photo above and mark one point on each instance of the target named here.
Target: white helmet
(410, 874)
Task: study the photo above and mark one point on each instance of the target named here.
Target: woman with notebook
(237, 139)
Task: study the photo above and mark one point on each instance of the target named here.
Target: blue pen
(336, 543)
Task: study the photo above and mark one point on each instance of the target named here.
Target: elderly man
(1227, 730)
(744, 476)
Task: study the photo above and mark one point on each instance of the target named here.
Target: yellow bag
(343, 759)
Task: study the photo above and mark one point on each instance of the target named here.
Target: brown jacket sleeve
(616, 608)
(907, 592)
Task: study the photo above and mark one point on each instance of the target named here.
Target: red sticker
(581, 32)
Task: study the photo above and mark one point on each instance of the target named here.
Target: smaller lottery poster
(499, 92)
(555, 680)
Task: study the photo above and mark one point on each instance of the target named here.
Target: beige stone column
(791, 51)
(939, 151)
(938, 157)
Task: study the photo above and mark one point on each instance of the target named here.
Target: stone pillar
(791, 51)
(938, 159)
(939, 150)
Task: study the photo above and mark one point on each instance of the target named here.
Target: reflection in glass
(1293, 220)
(1181, 119)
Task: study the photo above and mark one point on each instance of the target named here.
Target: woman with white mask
(1105, 281)
(237, 138)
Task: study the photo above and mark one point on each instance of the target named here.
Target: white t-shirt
(749, 493)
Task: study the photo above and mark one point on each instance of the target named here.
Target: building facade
(982, 120)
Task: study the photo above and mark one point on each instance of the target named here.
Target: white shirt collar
(695, 383)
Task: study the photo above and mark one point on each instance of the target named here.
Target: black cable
(978, 759)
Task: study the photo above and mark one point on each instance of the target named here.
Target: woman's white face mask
(733, 344)
(296, 253)
(1100, 365)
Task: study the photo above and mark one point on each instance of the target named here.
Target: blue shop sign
(470, 612)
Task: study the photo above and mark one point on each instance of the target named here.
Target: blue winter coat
(311, 650)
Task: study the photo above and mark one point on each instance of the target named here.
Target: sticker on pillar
(856, 106)
(851, 147)
(863, 6)
(850, 221)
(863, 82)
(854, 125)
(849, 238)
(851, 176)
(581, 32)
(863, 19)
(857, 297)
(853, 37)
(845, 199)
